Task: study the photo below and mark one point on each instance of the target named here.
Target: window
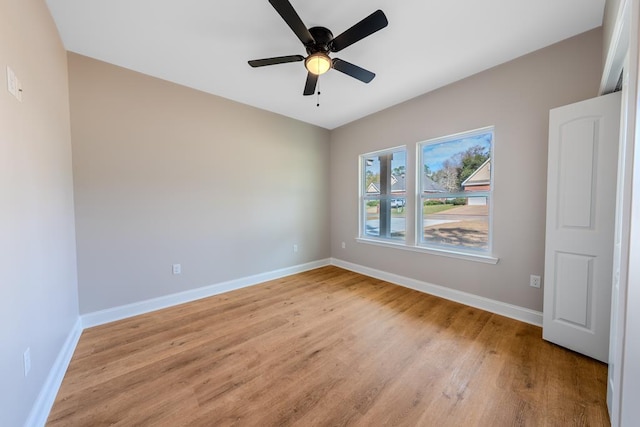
(455, 188)
(383, 194)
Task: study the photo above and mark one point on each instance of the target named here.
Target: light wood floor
(326, 348)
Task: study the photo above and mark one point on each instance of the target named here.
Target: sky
(435, 154)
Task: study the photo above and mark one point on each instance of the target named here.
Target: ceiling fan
(319, 42)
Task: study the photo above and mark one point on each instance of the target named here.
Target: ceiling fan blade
(353, 70)
(310, 85)
(369, 25)
(290, 16)
(276, 60)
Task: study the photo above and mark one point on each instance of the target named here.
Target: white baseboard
(508, 310)
(44, 402)
(122, 312)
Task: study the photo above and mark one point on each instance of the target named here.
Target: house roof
(481, 176)
(430, 186)
(398, 185)
(373, 189)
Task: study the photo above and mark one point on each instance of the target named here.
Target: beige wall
(514, 97)
(38, 287)
(165, 174)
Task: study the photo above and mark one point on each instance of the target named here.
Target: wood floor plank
(326, 347)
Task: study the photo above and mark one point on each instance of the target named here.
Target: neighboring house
(479, 180)
(430, 186)
(398, 186)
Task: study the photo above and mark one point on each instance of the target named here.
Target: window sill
(487, 259)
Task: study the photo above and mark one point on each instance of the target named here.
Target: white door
(581, 197)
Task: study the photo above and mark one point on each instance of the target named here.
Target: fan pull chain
(318, 95)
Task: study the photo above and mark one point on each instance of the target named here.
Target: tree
(448, 176)
(371, 177)
(459, 167)
(471, 160)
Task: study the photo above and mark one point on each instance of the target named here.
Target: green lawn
(432, 209)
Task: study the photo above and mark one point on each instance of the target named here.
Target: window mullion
(385, 190)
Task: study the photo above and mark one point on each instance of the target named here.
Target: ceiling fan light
(318, 63)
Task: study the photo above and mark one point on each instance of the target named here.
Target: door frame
(622, 55)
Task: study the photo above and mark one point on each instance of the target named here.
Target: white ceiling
(205, 44)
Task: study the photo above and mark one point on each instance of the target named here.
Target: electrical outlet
(177, 269)
(27, 361)
(344, 245)
(295, 248)
(534, 281)
(12, 82)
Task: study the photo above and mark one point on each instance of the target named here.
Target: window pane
(455, 189)
(398, 219)
(384, 194)
(397, 223)
(372, 175)
(461, 222)
(372, 218)
(448, 166)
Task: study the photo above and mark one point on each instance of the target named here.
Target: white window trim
(412, 243)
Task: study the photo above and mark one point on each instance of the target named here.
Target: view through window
(455, 186)
(384, 194)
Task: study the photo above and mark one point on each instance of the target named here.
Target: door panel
(581, 189)
(577, 146)
(573, 300)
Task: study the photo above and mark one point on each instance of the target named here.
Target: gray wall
(165, 174)
(38, 287)
(514, 97)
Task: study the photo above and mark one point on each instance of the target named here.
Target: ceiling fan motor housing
(322, 37)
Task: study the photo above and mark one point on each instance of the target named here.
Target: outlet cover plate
(534, 281)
